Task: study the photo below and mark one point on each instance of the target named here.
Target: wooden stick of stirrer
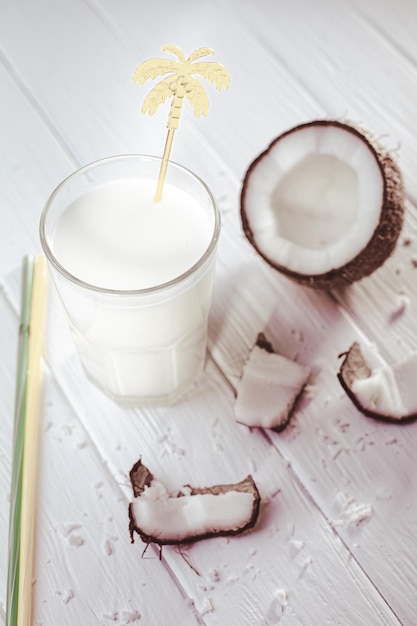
(28, 426)
(178, 85)
(164, 166)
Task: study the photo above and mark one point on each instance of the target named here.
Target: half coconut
(379, 390)
(323, 204)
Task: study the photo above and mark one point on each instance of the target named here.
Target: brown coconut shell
(383, 241)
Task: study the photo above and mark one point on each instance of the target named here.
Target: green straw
(23, 476)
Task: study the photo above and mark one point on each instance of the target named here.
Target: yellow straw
(30, 444)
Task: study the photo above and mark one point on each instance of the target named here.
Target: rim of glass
(147, 290)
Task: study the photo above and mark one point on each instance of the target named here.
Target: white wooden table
(336, 542)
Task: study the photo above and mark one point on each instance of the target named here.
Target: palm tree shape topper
(179, 84)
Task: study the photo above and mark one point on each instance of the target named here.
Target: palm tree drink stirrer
(179, 84)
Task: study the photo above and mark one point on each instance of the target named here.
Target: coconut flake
(352, 513)
(68, 596)
(193, 513)
(277, 606)
(269, 387)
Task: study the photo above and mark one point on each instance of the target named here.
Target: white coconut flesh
(176, 519)
(385, 391)
(388, 390)
(314, 199)
(268, 389)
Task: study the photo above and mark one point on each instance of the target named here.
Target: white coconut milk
(116, 237)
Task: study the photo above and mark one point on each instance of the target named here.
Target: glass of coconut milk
(135, 276)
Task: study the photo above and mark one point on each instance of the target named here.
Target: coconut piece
(192, 514)
(384, 392)
(323, 204)
(269, 387)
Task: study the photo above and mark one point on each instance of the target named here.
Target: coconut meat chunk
(379, 393)
(405, 372)
(193, 513)
(268, 389)
(177, 518)
(382, 391)
(313, 200)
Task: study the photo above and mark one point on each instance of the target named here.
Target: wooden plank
(398, 31)
(32, 165)
(97, 114)
(85, 566)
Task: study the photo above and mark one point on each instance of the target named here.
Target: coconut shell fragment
(269, 388)
(193, 513)
(323, 204)
(381, 392)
